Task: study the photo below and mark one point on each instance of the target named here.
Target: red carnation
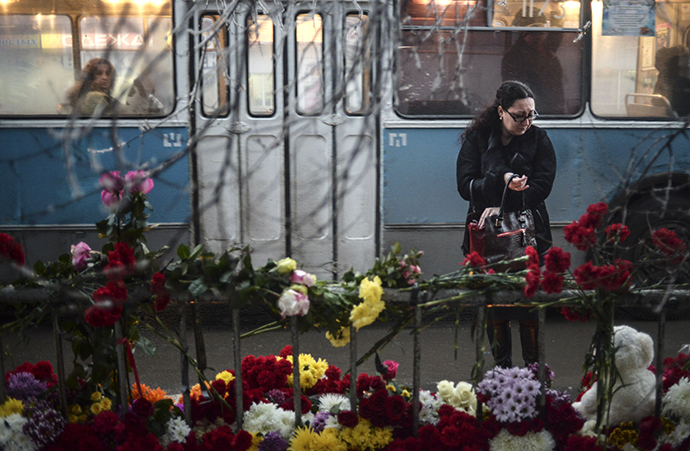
(377, 383)
(11, 250)
(519, 428)
(533, 256)
(377, 401)
(474, 259)
(552, 282)
(557, 260)
(242, 441)
(160, 294)
(102, 316)
(617, 233)
(669, 244)
(286, 351)
(115, 292)
(532, 279)
(395, 407)
(574, 315)
(348, 418)
(587, 275)
(121, 262)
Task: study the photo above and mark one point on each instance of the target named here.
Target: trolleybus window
(451, 59)
(357, 64)
(310, 88)
(139, 50)
(50, 61)
(37, 65)
(643, 76)
(214, 89)
(261, 66)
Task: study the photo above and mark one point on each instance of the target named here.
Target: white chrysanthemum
(11, 435)
(675, 438)
(177, 430)
(307, 418)
(265, 417)
(532, 441)
(333, 403)
(428, 414)
(676, 402)
(331, 422)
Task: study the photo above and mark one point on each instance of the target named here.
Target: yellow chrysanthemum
(96, 396)
(369, 290)
(328, 439)
(366, 437)
(341, 339)
(72, 418)
(226, 376)
(301, 439)
(96, 408)
(11, 406)
(365, 314)
(310, 370)
(256, 441)
(74, 409)
(106, 403)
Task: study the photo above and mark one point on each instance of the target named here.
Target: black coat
(484, 158)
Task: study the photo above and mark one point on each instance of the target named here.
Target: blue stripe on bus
(419, 184)
(35, 183)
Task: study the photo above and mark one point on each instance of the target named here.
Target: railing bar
(184, 365)
(416, 362)
(297, 392)
(62, 386)
(661, 332)
(479, 350)
(121, 371)
(353, 368)
(239, 402)
(200, 345)
(3, 388)
(541, 359)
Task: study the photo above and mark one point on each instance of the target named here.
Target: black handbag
(475, 234)
(507, 235)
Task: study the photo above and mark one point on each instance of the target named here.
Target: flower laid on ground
(460, 396)
(510, 393)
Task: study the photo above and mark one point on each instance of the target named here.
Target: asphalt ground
(566, 345)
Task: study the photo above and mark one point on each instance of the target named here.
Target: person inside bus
(532, 60)
(500, 142)
(673, 80)
(91, 94)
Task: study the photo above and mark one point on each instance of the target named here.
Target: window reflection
(261, 67)
(309, 37)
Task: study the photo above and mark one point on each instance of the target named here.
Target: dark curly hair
(88, 74)
(506, 95)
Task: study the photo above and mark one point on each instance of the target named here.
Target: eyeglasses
(521, 119)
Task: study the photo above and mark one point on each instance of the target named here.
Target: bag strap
(499, 218)
(472, 197)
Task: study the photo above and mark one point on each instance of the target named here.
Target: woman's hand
(491, 211)
(516, 183)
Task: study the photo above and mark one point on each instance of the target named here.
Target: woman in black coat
(501, 142)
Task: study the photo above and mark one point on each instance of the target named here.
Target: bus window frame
(274, 64)
(367, 68)
(586, 55)
(297, 93)
(223, 109)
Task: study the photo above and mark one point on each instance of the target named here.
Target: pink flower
(112, 181)
(391, 369)
(111, 200)
(80, 255)
(138, 182)
(293, 303)
(303, 278)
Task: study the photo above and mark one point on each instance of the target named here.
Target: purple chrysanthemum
(273, 442)
(319, 421)
(44, 424)
(512, 393)
(548, 374)
(277, 396)
(24, 385)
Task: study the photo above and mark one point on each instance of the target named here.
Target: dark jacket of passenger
(484, 158)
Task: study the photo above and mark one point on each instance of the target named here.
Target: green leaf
(183, 251)
(198, 250)
(198, 287)
(146, 346)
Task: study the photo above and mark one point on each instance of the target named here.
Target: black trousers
(499, 333)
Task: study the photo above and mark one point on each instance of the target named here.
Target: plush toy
(634, 396)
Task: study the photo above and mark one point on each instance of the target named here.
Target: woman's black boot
(529, 339)
(499, 332)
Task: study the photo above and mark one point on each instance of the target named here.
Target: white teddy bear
(634, 397)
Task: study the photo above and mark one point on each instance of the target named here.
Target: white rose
(445, 389)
